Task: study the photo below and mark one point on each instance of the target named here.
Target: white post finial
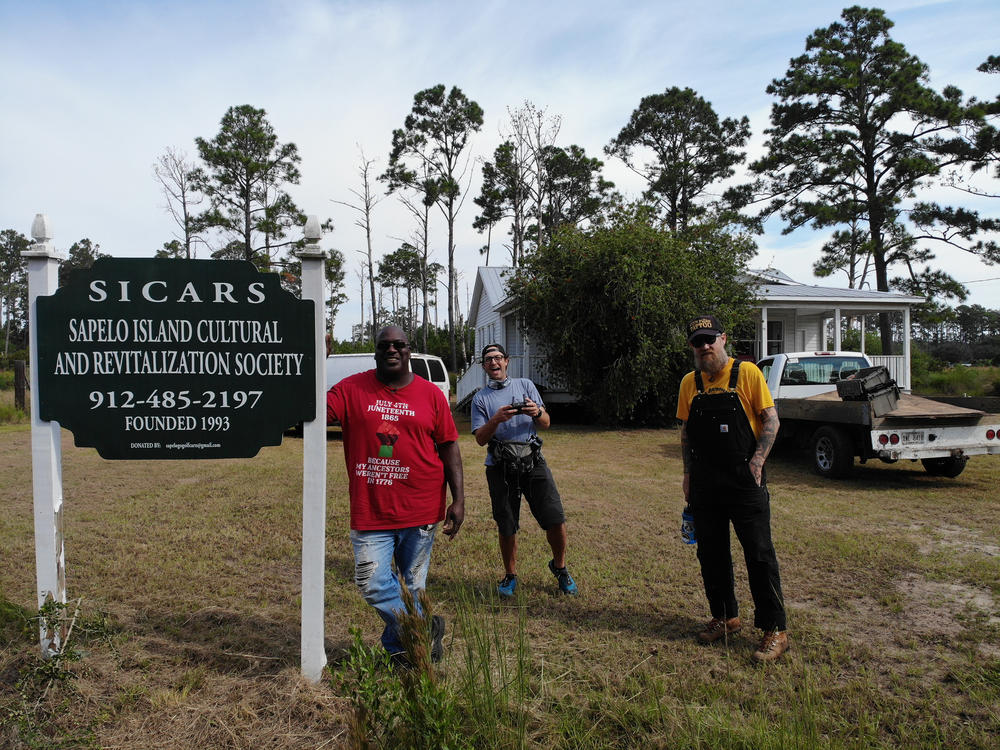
(313, 231)
(40, 230)
(43, 247)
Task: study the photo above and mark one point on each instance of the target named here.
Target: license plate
(914, 436)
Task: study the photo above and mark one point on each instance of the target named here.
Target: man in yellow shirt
(728, 429)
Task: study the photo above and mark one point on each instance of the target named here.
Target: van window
(419, 367)
(438, 374)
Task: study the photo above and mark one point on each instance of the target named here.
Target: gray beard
(700, 366)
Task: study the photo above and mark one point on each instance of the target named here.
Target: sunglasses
(493, 358)
(384, 345)
(706, 338)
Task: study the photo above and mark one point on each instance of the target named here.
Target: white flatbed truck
(836, 431)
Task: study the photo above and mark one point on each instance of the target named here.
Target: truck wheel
(949, 466)
(832, 454)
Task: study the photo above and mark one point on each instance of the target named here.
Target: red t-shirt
(390, 448)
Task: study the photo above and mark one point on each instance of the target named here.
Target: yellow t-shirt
(750, 386)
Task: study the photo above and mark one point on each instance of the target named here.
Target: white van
(427, 366)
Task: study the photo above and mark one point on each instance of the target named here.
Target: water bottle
(687, 526)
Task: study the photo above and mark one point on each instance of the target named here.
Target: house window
(514, 342)
(775, 336)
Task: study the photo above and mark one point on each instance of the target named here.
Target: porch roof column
(762, 346)
(906, 384)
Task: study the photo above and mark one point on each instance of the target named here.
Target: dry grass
(189, 573)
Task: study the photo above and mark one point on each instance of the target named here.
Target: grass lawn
(188, 629)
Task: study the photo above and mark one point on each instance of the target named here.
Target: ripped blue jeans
(374, 555)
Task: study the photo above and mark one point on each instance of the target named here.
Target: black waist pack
(516, 457)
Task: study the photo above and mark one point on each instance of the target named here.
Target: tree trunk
(371, 276)
(361, 332)
(424, 275)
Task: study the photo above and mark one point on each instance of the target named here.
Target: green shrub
(921, 363)
(7, 362)
(958, 381)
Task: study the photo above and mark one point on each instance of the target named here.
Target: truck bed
(828, 407)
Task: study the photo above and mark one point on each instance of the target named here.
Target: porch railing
(896, 365)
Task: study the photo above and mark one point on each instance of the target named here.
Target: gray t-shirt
(486, 402)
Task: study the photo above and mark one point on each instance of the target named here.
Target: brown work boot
(717, 628)
(772, 645)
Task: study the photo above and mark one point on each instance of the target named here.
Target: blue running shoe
(507, 586)
(566, 583)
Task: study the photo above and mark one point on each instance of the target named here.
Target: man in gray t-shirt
(509, 410)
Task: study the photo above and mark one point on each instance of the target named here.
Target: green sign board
(175, 359)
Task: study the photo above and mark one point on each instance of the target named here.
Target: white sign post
(46, 450)
(314, 470)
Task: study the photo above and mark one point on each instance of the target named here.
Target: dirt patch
(935, 607)
(930, 612)
(953, 537)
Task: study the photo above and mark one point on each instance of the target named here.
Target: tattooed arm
(768, 433)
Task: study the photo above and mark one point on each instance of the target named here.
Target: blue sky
(94, 92)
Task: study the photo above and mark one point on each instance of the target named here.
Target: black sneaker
(437, 638)
(566, 583)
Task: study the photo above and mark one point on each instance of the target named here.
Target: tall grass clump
(494, 684)
(9, 413)
(400, 702)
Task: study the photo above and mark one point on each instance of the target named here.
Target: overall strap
(698, 382)
(734, 375)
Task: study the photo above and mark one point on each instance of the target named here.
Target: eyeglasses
(384, 345)
(493, 358)
(706, 338)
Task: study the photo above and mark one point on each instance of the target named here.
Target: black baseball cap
(493, 346)
(704, 324)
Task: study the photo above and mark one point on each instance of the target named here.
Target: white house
(790, 317)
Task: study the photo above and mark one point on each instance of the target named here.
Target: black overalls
(723, 490)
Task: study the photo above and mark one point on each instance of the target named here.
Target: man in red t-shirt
(400, 447)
